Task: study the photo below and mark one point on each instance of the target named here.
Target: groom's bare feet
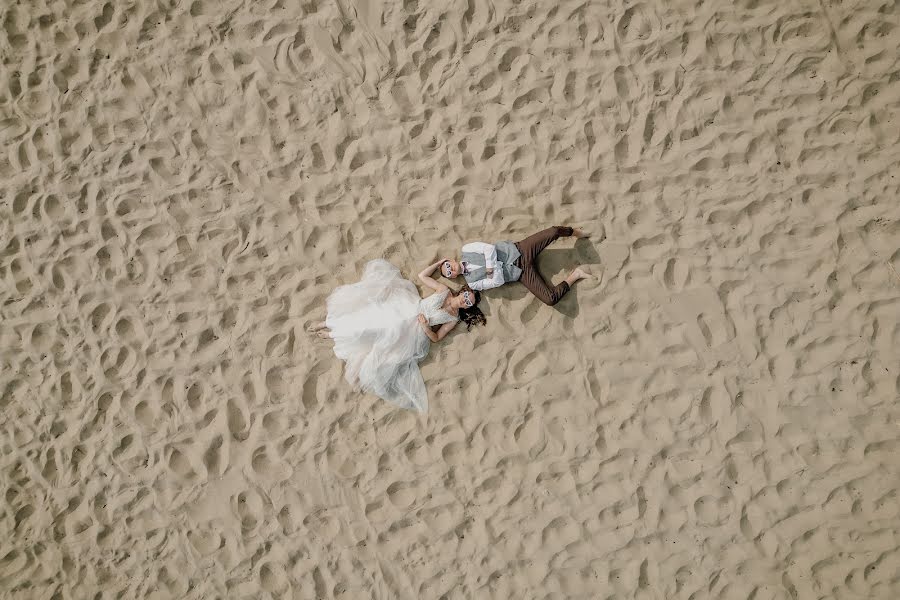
(577, 275)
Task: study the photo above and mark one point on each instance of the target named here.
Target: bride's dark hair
(471, 316)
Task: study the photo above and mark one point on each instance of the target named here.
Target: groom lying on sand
(487, 266)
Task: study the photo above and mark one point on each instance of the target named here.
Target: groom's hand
(423, 320)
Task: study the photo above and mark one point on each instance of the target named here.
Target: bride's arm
(426, 278)
(444, 329)
(423, 323)
(441, 333)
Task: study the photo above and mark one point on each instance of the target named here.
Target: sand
(183, 183)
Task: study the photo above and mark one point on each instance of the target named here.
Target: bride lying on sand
(381, 329)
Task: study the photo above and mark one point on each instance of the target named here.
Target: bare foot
(577, 275)
(580, 233)
(316, 327)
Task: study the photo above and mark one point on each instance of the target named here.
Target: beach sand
(183, 183)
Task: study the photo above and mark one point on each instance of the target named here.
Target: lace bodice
(431, 308)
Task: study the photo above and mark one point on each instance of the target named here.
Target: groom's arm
(488, 250)
(494, 274)
(488, 283)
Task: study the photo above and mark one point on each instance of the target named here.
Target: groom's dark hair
(472, 316)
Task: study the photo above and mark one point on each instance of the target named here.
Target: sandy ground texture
(182, 184)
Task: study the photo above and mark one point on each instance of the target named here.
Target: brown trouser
(529, 248)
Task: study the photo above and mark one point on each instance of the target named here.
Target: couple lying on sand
(381, 328)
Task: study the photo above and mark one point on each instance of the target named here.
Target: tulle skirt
(374, 324)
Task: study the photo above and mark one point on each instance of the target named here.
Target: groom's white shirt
(490, 260)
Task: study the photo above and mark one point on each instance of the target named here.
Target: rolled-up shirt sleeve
(488, 250)
(486, 284)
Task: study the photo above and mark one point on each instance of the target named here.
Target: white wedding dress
(375, 328)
